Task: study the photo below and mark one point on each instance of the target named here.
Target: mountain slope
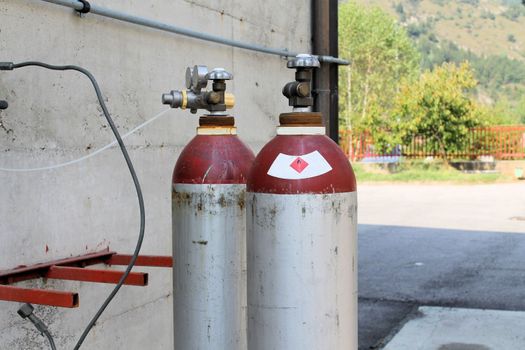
(490, 34)
(485, 27)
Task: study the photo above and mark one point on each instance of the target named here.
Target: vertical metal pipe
(325, 42)
(334, 71)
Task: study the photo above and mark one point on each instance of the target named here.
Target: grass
(422, 172)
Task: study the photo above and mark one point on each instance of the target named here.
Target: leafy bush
(514, 12)
(438, 108)
(470, 2)
(440, 2)
(488, 15)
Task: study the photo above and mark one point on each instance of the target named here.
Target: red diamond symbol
(299, 164)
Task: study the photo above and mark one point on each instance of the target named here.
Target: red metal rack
(73, 269)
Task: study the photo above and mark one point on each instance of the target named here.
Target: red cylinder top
(214, 159)
(291, 164)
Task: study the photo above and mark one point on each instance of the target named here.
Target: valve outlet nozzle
(216, 101)
(299, 92)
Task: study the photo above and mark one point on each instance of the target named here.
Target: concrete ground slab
(437, 328)
(487, 207)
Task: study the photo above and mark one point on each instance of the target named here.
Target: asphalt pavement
(437, 245)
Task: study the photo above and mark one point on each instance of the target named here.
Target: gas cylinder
(302, 233)
(209, 220)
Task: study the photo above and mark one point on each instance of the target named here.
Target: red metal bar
(487, 146)
(97, 276)
(23, 273)
(499, 144)
(39, 296)
(143, 260)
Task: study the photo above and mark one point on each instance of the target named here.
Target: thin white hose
(92, 154)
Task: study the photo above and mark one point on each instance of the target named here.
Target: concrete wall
(508, 167)
(54, 117)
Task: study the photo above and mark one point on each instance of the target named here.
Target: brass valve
(216, 101)
(229, 100)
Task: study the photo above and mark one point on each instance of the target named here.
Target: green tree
(438, 107)
(520, 111)
(504, 112)
(501, 113)
(381, 55)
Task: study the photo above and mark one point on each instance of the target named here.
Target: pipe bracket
(86, 7)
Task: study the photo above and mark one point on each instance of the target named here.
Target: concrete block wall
(54, 117)
(508, 167)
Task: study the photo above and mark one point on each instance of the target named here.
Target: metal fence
(503, 142)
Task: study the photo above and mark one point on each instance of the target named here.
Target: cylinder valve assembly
(209, 220)
(302, 233)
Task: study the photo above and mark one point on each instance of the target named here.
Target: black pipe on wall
(325, 82)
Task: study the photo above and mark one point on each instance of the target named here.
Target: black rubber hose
(26, 312)
(133, 175)
(51, 340)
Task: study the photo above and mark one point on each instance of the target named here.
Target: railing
(501, 142)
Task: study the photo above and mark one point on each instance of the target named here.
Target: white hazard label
(299, 167)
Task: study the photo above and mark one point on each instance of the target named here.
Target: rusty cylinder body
(302, 244)
(209, 226)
